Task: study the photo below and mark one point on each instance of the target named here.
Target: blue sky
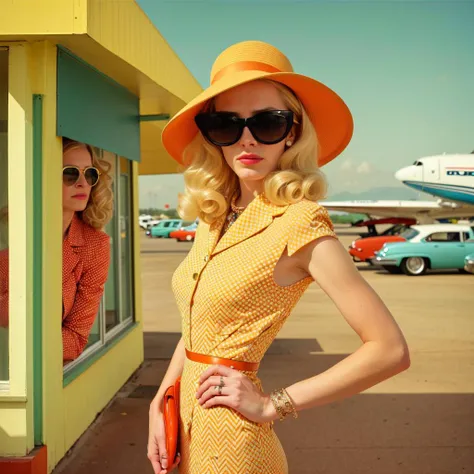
(405, 69)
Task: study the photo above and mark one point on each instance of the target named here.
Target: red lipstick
(250, 159)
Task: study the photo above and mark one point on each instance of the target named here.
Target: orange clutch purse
(171, 418)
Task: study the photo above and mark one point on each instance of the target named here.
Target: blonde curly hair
(100, 207)
(210, 182)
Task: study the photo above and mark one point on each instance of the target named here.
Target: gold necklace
(233, 215)
(237, 210)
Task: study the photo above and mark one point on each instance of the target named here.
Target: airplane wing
(423, 211)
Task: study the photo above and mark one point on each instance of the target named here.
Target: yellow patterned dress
(232, 308)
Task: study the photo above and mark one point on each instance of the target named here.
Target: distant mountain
(385, 193)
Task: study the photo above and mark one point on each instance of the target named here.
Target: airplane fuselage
(450, 177)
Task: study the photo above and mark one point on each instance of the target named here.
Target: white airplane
(450, 177)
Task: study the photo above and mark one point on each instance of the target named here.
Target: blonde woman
(251, 145)
(87, 208)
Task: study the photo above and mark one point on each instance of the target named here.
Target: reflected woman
(87, 208)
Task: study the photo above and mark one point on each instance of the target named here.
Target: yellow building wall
(89, 393)
(16, 407)
(53, 402)
(44, 17)
(14, 434)
(67, 411)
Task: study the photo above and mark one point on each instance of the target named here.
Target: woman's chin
(76, 207)
(250, 175)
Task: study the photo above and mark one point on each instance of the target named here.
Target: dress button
(195, 276)
(206, 258)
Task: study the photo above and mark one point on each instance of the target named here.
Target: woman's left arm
(384, 352)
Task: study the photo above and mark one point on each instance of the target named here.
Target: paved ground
(420, 422)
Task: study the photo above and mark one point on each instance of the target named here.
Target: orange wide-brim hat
(251, 60)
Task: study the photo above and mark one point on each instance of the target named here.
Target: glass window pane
(126, 277)
(4, 375)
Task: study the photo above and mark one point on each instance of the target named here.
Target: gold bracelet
(282, 403)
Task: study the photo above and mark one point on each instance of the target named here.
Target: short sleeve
(310, 222)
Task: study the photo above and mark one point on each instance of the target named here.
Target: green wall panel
(94, 109)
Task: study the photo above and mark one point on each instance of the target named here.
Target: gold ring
(222, 381)
(216, 387)
(220, 390)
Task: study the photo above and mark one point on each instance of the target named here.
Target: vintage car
(441, 246)
(165, 227)
(363, 250)
(398, 224)
(186, 234)
(149, 226)
(469, 263)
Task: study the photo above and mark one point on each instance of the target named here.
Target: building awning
(120, 41)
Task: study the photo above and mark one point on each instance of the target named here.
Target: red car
(363, 250)
(185, 234)
(372, 229)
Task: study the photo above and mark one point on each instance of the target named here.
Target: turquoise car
(444, 246)
(165, 227)
(469, 263)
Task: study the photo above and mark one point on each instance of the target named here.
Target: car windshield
(409, 233)
(395, 230)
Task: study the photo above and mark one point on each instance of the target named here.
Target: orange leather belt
(211, 360)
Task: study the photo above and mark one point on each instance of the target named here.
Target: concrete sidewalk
(369, 433)
(419, 422)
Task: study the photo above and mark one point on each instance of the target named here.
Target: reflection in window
(4, 371)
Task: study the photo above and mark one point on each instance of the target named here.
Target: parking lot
(418, 422)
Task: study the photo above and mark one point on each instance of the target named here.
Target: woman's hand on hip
(221, 385)
(156, 450)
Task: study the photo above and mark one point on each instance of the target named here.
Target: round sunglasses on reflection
(226, 128)
(72, 174)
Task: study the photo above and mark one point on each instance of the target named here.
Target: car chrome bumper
(469, 266)
(384, 261)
